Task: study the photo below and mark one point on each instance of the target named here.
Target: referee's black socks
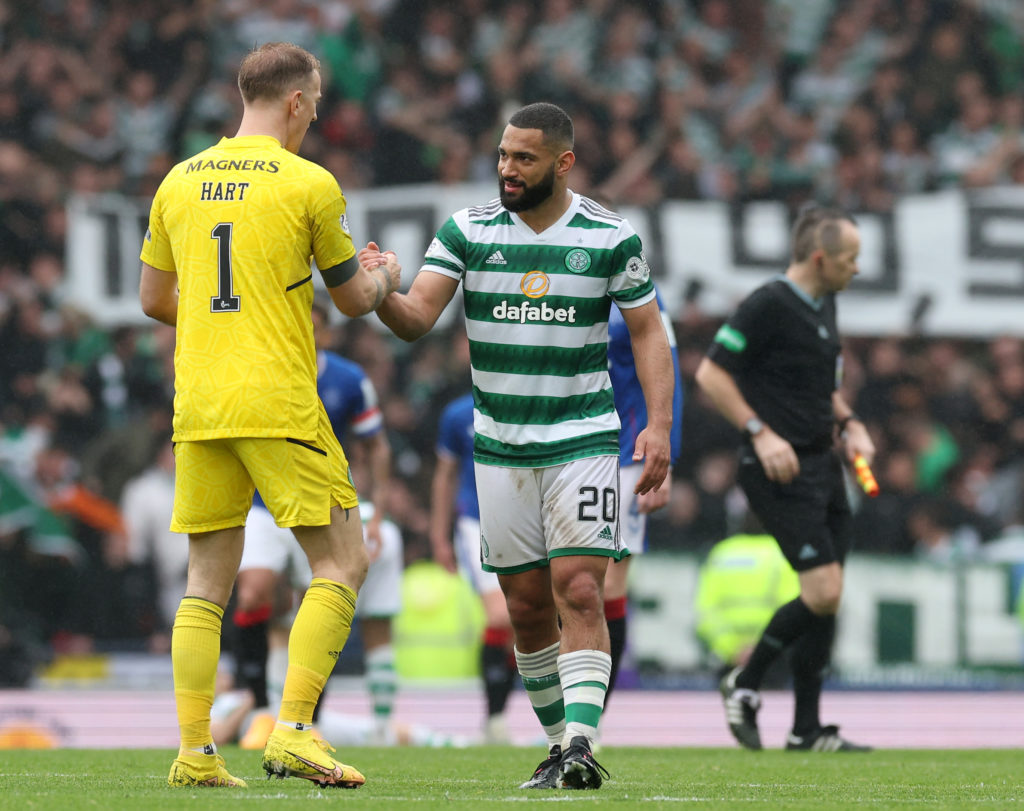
(789, 622)
(809, 660)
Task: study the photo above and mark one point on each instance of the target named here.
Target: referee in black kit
(774, 370)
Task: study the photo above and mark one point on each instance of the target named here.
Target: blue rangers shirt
(629, 396)
(455, 440)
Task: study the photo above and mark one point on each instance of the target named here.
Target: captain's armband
(341, 273)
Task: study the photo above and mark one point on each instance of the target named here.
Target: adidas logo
(808, 552)
(496, 258)
(606, 534)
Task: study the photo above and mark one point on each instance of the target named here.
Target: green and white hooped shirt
(537, 319)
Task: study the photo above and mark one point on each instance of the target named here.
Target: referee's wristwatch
(752, 427)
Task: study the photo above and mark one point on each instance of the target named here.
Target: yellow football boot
(196, 769)
(294, 753)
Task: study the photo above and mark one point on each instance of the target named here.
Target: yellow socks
(195, 649)
(321, 628)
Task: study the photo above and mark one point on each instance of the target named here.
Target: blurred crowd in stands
(853, 102)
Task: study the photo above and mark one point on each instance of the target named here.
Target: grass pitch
(423, 779)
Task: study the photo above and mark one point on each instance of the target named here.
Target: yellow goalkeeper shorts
(299, 481)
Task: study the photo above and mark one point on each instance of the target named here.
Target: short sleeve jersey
(455, 440)
(782, 349)
(629, 395)
(537, 320)
(239, 223)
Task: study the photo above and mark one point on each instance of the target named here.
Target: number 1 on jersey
(225, 301)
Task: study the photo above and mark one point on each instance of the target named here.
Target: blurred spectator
(559, 50)
(668, 529)
(410, 123)
(352, 52)
(807, 161)
(945, 57)
(122, 381)
(960, 149)
(277, 20)
(745, 93)
(145, 122)
(906, 164)
(1003, 41)
(938, 536)
(161, 555)
(881, 524)
(39, 575)
(935, 451)
(710, 36)
(625, 65)
(885, 97)
(758, 162)
(797, 27)
(824, 86)
(679, 171)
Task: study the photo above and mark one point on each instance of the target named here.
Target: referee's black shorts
(809, 516)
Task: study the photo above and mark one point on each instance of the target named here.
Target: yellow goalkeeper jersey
(239, 224)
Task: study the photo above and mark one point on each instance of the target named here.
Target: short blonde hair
(274, 69)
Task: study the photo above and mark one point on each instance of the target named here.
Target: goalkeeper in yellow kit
(226, 260)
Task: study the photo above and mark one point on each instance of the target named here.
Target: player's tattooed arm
(380, 280)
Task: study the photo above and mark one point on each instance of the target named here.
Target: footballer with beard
(540, 268)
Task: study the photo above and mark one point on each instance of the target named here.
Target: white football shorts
(632, 522)
(467, 554)
(268, 546)
(530, 515)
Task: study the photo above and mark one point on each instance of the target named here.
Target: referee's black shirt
(782, 349)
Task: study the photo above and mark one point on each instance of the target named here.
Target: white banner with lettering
(950, 263)
(899, 618)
